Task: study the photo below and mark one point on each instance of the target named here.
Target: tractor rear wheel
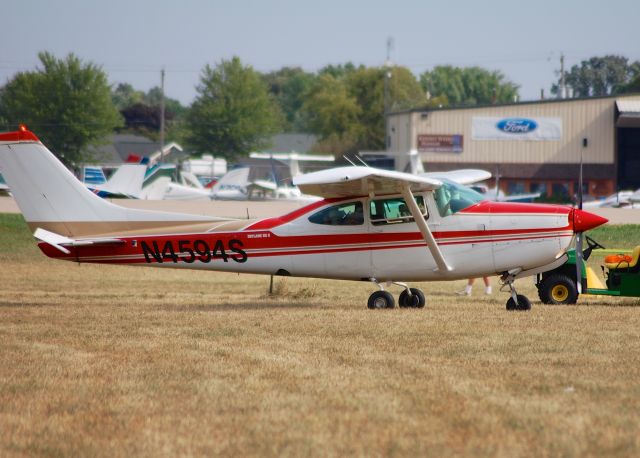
(558, 289)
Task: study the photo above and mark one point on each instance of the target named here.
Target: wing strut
(424, 229)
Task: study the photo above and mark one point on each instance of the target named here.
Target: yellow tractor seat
(622, 261)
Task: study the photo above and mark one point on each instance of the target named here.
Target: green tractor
(621, 273)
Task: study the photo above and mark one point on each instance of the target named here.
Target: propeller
(579, 235)
(583, 221)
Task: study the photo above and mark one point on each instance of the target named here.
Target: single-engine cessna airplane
(372, 225)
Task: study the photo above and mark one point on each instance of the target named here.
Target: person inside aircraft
(355, 217)
(452, 197)
(347, 214)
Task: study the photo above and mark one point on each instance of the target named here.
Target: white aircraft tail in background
(233, 185)
(126, 181)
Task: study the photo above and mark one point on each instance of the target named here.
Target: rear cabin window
(347, 214)
(394, 211)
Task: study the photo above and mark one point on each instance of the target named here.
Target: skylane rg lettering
(191, 250)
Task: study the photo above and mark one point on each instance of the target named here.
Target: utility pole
(387, 76)
(162, 115)
(563, 85)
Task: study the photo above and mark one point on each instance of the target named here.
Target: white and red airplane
(371, 225)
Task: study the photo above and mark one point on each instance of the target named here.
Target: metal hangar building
(532, 146)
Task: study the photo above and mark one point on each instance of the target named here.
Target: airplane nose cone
(583, 221)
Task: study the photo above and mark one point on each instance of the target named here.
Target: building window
(538, 187)
(560, 190)
(515, 187)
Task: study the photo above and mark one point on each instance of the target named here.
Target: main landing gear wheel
(381, 300)
(558, 289)
(416, 300)
(523, 303)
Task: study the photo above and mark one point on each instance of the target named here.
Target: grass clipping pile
(105, 360)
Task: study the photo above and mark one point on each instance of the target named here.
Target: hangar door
(628, 144)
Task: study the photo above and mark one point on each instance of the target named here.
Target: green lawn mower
(621, 273)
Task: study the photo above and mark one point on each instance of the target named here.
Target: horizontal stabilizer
(60, 241)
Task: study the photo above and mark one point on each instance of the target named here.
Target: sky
(132, 40)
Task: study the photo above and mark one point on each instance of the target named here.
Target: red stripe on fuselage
(484, 207)
(292, 245)
(270, 223)
(491, 207)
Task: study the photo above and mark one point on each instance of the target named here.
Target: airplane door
(398, 250)
(334, 243)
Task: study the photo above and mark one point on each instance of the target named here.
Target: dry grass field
(121, 361)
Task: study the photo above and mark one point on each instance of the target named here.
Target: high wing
(359, 181)
(462, 176)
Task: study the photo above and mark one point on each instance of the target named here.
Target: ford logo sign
(517, 125)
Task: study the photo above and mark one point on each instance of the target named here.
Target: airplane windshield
(452, 197)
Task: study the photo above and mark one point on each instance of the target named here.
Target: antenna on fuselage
(361, 160)
(346, 158)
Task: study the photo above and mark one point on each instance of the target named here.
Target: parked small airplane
(372, 225)
(235, 185)
(125, 182)
(3, 185)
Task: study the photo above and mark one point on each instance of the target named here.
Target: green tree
(153, 98)
(289, 86)
(124, 96)
(340, 70)
(599, 76)
(347, 111)
(233, 112)
(468, 85)
(333, 114)
(67, 103)
(633, 86)
(141, 112)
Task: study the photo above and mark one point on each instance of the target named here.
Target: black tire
(416, 300)
(558, 289)
(523, 303)
(381, 300)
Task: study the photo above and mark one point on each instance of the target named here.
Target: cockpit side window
(346, 214)
(394, 211)
(452, 197)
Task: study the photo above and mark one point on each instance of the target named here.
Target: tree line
(71, 106)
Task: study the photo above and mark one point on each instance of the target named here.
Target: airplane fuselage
(485, 239)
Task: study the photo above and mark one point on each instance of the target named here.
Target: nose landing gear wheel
(381, 300)
(416, 300)
(523, 303)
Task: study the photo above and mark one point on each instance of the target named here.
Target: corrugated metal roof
(628, 106)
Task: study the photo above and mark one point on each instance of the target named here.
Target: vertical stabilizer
(52, 198)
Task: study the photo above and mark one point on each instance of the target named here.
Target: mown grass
(621, 236)
(115, 361)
